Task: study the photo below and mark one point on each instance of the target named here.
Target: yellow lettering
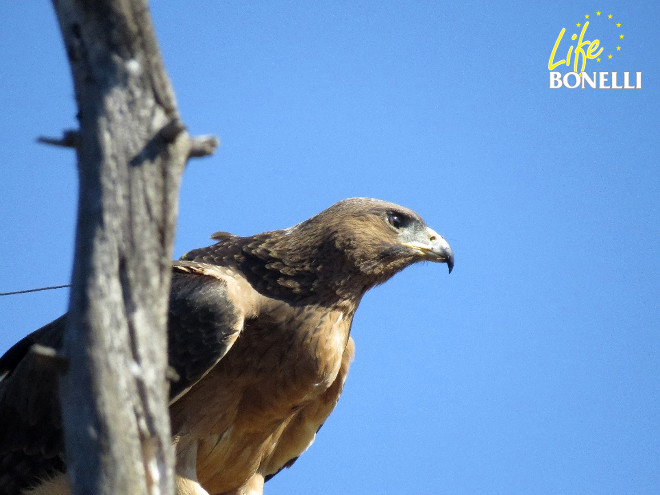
(577, 53)
(568, 55)
(551, 63)
(592, 47)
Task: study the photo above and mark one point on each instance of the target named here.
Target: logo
(599, 53)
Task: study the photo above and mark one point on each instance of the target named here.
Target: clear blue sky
(535, 366)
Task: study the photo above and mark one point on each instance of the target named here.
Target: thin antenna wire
(33, 290)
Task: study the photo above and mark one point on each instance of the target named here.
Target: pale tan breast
(281, 362)
(277, 364)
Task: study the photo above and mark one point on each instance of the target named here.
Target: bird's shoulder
(224, 286)
(208, 307)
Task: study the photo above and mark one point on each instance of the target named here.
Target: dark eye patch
(397, 220)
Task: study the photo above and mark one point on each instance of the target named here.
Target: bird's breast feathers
(291, 357)
(269, 394)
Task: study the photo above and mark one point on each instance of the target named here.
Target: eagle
(259, 334)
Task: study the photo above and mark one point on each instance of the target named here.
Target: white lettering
(577, 79)
(602, 80)
(555, 80)
(594, 80)
(626, 81)
(591, 82)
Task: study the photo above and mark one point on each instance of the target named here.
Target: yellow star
(618, 25)
(621, 36)
(597, 13)
(609, 56)
(586, 16)
(598, 59)
(578, 24)
(609, 16)
(618, 48)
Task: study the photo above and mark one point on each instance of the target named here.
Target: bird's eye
(395, 220)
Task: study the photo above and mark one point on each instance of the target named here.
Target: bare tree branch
(69, 139)
(131, 150)
(203, 146)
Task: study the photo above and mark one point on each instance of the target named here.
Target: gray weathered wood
(131, 149)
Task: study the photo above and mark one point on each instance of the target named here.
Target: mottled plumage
(259, 334)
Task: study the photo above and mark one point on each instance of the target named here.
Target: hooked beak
(433, 247)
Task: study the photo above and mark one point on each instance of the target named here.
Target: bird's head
(373, 239)
(338, 254)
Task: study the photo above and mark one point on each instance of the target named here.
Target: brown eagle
(259, 334)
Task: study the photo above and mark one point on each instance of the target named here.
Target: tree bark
(131, 149)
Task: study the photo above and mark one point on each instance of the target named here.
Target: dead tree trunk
(131, 150)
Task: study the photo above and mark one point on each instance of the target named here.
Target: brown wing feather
(204, 321)
(31, 443)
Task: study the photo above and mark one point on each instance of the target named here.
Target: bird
(260, 340)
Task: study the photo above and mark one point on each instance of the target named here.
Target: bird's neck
(303, 272)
